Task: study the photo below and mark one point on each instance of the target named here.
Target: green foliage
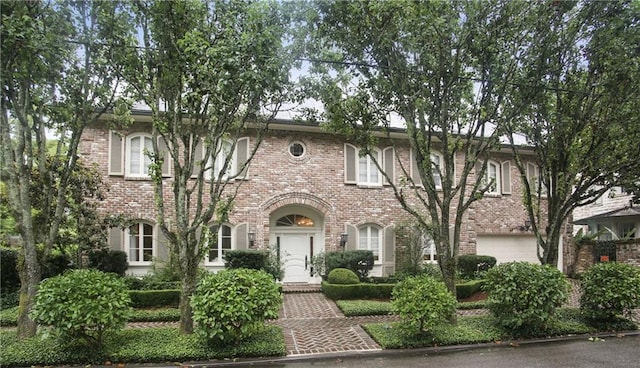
(148, 282)
(524, 296)
(9, 316)
(469, 288)
(138, 345)
(233, 304)
(57, 264)
(357, 291)
(250, 259)
(108, 260)
(9, 278)
(410, 247)
(155, 315)
(353, 308)
(610, 289)
(422, 302)
(342, 276)
(471, 265)
(358, 261)
(83, 304)
(154, 298)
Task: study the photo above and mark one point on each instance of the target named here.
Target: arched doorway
(297, 233)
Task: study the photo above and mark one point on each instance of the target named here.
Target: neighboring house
(305, 192)
(611, 217)
(614, 223)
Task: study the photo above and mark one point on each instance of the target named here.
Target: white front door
(295, 254)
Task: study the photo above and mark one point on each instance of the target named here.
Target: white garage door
(508, 248)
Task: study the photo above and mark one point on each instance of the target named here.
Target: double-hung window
(219, 243)
(139, 241)
(370, 238)
(137, 160)
(368, 173)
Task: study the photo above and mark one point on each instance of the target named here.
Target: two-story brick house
(306, 191)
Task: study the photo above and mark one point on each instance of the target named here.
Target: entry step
(290, 288)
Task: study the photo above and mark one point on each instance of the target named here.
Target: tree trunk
(188, 288)
(29, 271)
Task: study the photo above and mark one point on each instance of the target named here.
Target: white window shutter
(116, 153)
(389, 164)
(162, 245)
(241, 236)
(506, 177)
(115, 238)
(242, 156)
(415, 173)
(352, 237)
(198, 158)
(350, 160)
(164, 152)
(388, 254)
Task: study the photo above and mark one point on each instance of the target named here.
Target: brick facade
(276, 180)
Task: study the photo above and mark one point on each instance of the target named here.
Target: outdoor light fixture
(252, 238)
(527, 225)
(343, 240)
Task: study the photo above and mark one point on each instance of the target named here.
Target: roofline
(296, 125)
(606, 215)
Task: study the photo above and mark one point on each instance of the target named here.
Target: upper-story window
(226, 162)
(535, 179)
(140, 243)
(370, 238)
(362, 170)
(492, 177)
(131, 155)
(138, 159)
(437, 168)
(368, 173)
(220, 241)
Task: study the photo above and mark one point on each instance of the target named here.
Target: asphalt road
(609, 352)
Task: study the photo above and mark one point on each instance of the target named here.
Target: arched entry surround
(324, 231)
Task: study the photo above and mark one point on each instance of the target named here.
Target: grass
(482, 329)
(147, 345)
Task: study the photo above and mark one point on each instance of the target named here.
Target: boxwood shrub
(343, 276)
(357, 291)
(251, 259)
(467, 289)
(470, 264)
(358, 261)
(155, 298)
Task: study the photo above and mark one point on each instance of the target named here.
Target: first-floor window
(370, 238)
(429, 253)
(140, 242)
(219, 242)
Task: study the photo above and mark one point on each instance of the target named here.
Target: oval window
(296, 149)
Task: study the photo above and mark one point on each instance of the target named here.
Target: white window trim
(371, 166)
(498, 179)
(154, 246)
(127, 149)
(220, 261)
(380, 241)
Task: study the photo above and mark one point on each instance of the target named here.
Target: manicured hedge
(9, 278)
(469, 264)
(357, 291)
(251, 259)
(467, 289)
(154, 298)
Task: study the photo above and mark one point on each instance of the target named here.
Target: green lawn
(146, 345)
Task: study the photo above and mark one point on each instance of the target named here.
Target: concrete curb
(392, 352)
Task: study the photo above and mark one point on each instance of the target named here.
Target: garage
(508, 248)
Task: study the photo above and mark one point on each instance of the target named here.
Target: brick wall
(275, 179)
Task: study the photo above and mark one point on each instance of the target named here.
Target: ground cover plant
(352, 308)
(9, 317)
(146, 345)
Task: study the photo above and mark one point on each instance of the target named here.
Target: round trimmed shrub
(83, 305)
(610, 289)
(422, 302)
(524, 296)
(343, 276)
(233, 304)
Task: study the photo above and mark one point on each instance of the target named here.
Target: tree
(54, 77)
(580, 83)
(446, 69)
(209, 71)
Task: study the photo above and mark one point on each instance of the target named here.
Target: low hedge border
(155, 298)
(357, 291)
(383, 291)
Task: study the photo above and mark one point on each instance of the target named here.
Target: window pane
(134, 244)
(363, 169)
(375, 243)
(363, 238)
(134, 157)
(435, 162)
